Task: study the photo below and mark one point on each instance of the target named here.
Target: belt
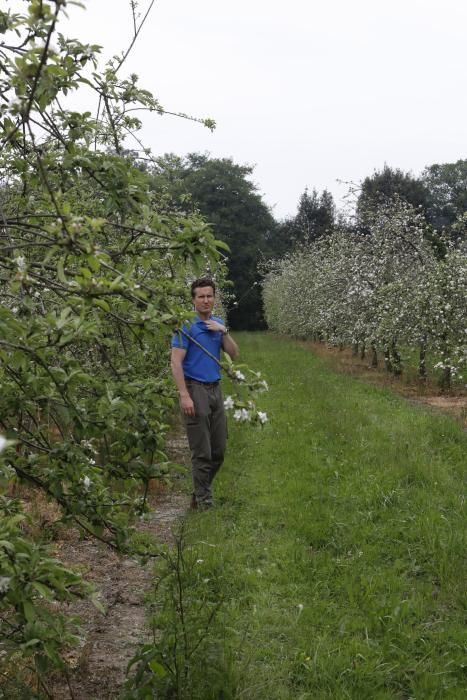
(208, 385)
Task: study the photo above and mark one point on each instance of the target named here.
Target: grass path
(338, 543)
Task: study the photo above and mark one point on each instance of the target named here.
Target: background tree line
(225, 195)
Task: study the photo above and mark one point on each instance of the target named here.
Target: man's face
(203, 300)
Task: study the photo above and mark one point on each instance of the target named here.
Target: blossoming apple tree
(384, 289)
(92, 285)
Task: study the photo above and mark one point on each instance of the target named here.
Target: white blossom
(239, 375)
(262, 417)
(229, 403)
(88, 445)
(242, 415)
(3, 443)
(86, 482)
(4, 583)
(20, 261)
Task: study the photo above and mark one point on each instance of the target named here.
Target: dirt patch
(427, 393)
(454, 406)
(108, 641)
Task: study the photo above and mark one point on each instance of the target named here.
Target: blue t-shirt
(196, 363)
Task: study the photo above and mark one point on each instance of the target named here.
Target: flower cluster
(229, 403)
(245, 414)
(20, 261)
(251, 383)
(242, 415)
(86, 482)
(4, 583)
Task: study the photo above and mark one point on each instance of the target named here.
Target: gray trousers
(207, 437)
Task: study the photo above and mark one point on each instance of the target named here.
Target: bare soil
(108, 641)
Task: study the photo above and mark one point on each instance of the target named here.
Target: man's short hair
(202, 282)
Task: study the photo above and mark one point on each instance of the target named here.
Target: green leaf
(93, 263)
(102, 303)
(44, 590)
(157, 668)
(97, 604)
(61, 272)
(29, 611)
(31, 643)
(87, 274)
(222, 244)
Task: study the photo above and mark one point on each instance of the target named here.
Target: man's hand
(186, 402)
(228, 343)
(215, 326)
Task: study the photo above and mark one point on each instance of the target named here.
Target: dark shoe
(205, 505)
(193, 502)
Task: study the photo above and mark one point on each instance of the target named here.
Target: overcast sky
(307, 91)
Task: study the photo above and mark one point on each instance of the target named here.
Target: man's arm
(230, 346)
(186, 402)
(228, 343)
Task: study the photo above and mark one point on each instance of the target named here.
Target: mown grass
(338, 543)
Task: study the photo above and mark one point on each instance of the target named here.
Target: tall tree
(315, 216)
(447, 187)
(224, 194)
(387, 184)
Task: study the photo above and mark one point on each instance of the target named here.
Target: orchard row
(389, 287)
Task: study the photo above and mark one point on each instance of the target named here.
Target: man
(195, 367)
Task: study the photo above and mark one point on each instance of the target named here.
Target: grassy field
(337, 543)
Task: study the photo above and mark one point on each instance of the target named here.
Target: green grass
(338, 543)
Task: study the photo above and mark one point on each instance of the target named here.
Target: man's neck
(204, 316)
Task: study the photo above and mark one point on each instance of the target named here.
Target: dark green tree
(315, 218)
(224, 194)
(386, 185)
(447, 188)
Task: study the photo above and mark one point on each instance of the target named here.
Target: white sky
(308, 91)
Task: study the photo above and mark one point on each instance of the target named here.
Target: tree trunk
(362, 352)
(445, 381)
(374, 356)
(397, 360)
(355, 349)
(387, 360)
(422, 361)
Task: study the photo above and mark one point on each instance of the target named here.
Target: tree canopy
(440, 192)
(387, 184)
(447, 188)
(93, 283)
(223, 192)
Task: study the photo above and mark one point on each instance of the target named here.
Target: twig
(137, 31)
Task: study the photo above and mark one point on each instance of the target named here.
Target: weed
(183, 653)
